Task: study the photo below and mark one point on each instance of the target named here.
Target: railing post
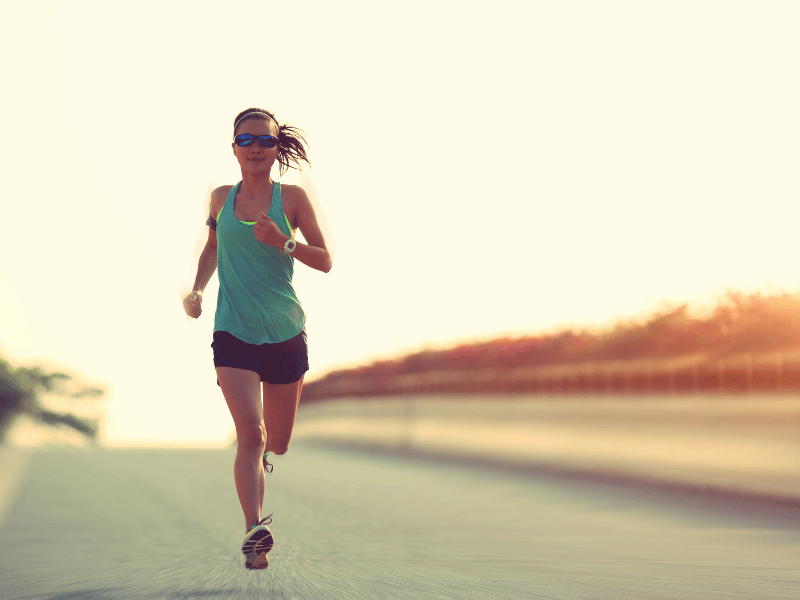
(671, 377)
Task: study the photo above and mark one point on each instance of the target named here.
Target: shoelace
(267, 464)
(265, 521)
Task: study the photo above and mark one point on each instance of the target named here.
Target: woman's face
(254, 158)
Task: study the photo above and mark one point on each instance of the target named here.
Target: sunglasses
(265, 141)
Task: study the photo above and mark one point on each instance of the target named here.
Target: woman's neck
(256, 185)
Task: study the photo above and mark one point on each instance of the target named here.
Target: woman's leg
(241, 390)
(280, 410)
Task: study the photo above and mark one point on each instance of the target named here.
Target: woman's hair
(291, 143)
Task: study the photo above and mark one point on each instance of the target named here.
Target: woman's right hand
(192, 304)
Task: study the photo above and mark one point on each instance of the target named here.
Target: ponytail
(291, 148)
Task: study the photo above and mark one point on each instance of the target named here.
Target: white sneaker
(256, 544)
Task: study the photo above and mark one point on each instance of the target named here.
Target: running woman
(260, 346)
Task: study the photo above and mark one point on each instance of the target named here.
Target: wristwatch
(289, 246)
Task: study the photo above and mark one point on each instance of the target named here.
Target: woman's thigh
(242, 393)
(280, 410)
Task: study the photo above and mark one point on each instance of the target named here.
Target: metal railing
(742, 374)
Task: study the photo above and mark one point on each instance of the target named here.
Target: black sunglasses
(265, 141)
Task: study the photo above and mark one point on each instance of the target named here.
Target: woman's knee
(252, 435)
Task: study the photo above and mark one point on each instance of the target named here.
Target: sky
(486, 170)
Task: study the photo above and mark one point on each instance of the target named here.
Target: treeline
(690, 350)
(21, 390)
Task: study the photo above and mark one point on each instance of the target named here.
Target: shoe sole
(255, 548)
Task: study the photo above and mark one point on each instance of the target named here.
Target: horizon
(29, 433)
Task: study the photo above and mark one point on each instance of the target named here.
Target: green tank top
(256, 300)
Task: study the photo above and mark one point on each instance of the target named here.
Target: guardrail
(741, 374)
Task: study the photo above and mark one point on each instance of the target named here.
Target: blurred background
(554, 189)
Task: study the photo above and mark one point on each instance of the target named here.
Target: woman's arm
(315, 253)
(207, 264)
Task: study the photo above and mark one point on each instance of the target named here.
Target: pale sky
(494, 168)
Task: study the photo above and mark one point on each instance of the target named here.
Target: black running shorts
(284, 362)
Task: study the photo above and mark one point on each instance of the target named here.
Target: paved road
(748, 447)
(166, 524)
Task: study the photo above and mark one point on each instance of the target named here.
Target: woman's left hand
(267, 232)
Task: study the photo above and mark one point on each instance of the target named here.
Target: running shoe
(256, 544)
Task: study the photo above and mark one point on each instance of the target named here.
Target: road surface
(153, 524)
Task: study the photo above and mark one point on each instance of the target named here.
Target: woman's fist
(267, 232)
(192, 304)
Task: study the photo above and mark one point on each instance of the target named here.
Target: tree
(21, 389)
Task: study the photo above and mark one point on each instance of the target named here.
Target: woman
(260, 348)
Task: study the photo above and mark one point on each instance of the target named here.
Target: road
(155, 524)
(748, 446)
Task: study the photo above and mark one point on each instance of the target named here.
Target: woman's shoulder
(293, 193)
(218, 196)
(221, 192)
(295, 200)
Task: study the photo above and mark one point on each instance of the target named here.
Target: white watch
(289, 246)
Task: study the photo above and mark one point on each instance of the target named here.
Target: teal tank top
(256, 300)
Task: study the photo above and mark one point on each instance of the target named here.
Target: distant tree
(21, 389)
(740, 323)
